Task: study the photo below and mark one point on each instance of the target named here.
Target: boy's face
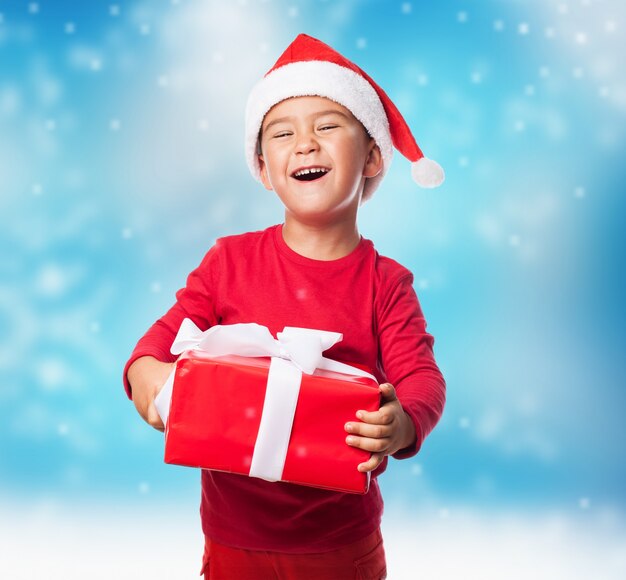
(316, 156)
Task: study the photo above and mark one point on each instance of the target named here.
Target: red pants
(364, 560)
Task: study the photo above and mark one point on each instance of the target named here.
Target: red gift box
(216, 409)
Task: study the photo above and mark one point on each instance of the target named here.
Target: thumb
(387, 393)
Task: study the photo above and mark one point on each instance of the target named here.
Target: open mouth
(310, 173)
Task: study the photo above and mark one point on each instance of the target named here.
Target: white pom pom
(427, 173)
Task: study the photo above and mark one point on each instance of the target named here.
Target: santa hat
(311, 68)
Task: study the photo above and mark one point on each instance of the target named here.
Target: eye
(282, 134)
(328, 127)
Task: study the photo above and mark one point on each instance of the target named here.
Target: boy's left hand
(382, 432)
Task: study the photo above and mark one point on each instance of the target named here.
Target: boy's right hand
(147, 376)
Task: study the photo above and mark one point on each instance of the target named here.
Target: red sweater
(256, 277)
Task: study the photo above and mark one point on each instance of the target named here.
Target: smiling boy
(319, 132)
(316, 156)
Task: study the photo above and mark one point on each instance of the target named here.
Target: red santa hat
(311, 68)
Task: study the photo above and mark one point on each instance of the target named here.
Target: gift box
(267, 416)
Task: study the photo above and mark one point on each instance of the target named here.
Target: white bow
(302, 346)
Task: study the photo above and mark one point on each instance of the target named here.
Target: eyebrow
(315, 115)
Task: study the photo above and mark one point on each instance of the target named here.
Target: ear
(265, 180)
(374, 161)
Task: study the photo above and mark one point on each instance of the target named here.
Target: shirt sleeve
(406, 355)
(195, 301)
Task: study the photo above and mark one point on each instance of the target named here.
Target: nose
(306, 143)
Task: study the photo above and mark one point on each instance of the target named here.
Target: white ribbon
(295, 351)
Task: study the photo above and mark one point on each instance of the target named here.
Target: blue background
(121, 161)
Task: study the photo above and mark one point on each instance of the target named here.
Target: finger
(375, 431)
(381, 417)
(372, 463)
(387, 393)
(369, 444)
(154, 419)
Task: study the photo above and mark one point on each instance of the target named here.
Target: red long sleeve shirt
(256, 277)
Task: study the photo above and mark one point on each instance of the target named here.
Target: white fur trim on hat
(323, 79)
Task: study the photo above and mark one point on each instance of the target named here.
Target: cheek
(272, 171)
(275, 160)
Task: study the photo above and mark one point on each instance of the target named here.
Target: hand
(147, 376)
(382, 432)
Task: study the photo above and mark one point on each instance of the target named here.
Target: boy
(319, 133)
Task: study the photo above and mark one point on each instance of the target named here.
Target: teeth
(311, 170)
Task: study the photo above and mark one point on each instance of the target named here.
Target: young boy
(320, 133)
